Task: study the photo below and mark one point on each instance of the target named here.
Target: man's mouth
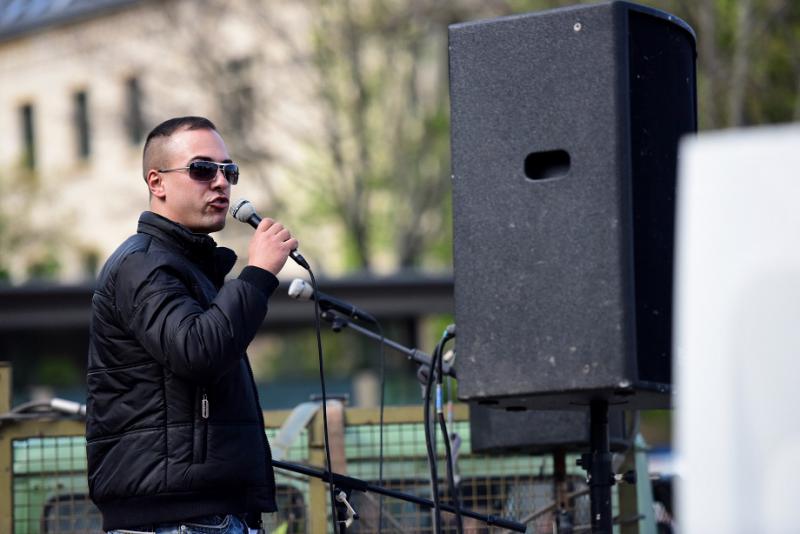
(220, 203)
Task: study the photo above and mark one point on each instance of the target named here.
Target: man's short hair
(170, 126)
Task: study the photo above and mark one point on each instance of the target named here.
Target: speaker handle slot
(547, 165)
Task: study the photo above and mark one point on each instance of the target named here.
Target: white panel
(737, 332)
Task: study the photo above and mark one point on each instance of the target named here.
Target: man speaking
(175, 436)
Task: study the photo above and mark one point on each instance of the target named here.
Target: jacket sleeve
(197, 344)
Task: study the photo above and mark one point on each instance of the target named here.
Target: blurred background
(338, 114)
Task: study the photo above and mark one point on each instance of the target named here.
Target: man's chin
(209, 227)
(217, 227)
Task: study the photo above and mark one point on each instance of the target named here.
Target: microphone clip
(344, 510)
(337, 321)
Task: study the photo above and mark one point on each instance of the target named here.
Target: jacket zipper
(201, 433)
(204, 405)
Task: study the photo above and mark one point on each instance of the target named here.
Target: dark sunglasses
(205, 171)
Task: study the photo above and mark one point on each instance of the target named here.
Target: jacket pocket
(200, 426)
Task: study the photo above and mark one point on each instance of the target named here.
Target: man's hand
(270, 246)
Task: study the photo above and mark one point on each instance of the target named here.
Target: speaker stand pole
(597, 464)
(563, 512)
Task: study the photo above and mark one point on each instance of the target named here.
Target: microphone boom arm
(339, 321)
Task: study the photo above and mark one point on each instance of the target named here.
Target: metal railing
(44, 487)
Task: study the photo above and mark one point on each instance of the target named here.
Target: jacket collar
(200, 248)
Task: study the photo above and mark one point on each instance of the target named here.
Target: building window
(82, 134)
(240, 100)
(28, 136)
(134, 121)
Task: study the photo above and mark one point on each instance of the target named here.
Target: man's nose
(219, 179)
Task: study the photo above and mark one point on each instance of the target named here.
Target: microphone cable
(437, 514)
(318, 326)
(380, 424)
(449, 334)
(314, 295)
(243, 211)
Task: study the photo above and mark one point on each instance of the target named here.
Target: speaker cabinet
(497, 431)
(565, 129)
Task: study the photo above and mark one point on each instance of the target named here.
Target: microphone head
(242, 210)
(299, 289)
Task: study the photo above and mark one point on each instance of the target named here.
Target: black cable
(324, 401)
(382, 342)
(443, 426)
(380, 438)
(429, 443)
(450, 478)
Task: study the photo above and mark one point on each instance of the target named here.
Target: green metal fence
(43, 465)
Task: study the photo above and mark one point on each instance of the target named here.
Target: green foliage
(57, 371)
(748, 59)
(27, 251)
(377, 166)
(291, 357)
(46, 267)
(436, 325)
(656, 426)
(383, 168)
(293, 354)
(91, 262)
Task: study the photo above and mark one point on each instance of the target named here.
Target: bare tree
(381, 82)
(747, 66)
(372, 122)
(375, 127)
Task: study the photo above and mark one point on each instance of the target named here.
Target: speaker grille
(662, 89)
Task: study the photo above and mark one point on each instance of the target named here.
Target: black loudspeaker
(541, 432)
(565, 129)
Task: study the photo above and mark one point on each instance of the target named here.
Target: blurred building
(83, 81)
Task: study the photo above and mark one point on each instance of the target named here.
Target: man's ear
(155, 182)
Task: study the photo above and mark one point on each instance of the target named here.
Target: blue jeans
(212, 524)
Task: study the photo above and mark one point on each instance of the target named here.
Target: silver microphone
(301, 290)
(243, 210)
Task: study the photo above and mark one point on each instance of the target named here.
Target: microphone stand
(338, 322)
(346, 484)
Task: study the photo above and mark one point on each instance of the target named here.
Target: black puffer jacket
(174, 427)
